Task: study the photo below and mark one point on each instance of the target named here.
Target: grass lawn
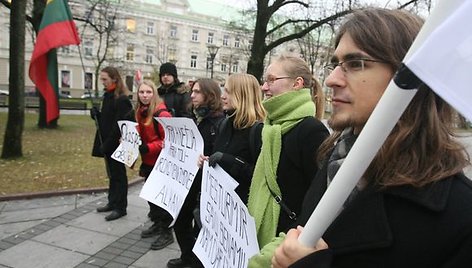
(57, 159)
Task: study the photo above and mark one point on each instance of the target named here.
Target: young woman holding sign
(208, 113)
(150, 105)
(239, 140)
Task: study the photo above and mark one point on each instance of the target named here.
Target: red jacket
(149, 136)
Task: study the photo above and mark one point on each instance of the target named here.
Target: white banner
(128, 150)
(444, 62)
(228, 235)
(176, 167)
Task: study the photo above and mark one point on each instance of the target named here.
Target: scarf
(340, 151)
(284, 111)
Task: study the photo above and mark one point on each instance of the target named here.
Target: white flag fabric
(444, 62)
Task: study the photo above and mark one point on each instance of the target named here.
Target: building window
(149, 55)
(65, 78)
(210, 38)
(208, 63)
(65, 50)
(150, 28)
(195, 35)
(173, 31)
(88, 48)
(235, 67)
(225, 40)
(223, 67)
(131, 25)
(237, 42)
(130, 52)
(88, 80)
(193, 61)
(172, 54)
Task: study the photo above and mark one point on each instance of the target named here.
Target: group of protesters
(411, 208)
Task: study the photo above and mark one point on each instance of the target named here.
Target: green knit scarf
(284, 111)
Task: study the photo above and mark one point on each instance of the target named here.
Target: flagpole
(381, 122)
(95, 119)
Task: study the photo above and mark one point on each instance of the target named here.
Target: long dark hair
(114, 74)
(421, 148)
(211, 92)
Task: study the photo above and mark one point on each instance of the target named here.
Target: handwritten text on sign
(176, 167)
(228, 234)
(128, 150)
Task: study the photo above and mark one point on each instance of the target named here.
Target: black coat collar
(363, 224)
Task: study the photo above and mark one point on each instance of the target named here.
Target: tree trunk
(255, 65)
(16, 102)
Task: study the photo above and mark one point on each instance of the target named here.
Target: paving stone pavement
(66, 231)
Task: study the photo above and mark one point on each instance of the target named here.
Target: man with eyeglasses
(413, 205)
(290, 138)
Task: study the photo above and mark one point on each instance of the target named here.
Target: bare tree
(99, 27)
(274, 27)
(12, 147)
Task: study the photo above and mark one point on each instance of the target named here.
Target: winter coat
(149, 136)
(297, 165)
(402, 226)
(239, 158)
(209, 128)
(177, 99)
(112, 110)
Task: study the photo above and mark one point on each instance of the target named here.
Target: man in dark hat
(175, 94)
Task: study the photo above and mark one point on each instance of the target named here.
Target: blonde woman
(150, 105)
(238, 143)
(290, 138)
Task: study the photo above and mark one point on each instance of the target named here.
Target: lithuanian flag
(57, 29)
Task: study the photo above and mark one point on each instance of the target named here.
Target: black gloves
(215, 158)
(222, 158)
(143, 149)
(94, 113)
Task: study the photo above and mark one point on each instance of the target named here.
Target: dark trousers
(118, 184)
(157, 214)
(183, 228)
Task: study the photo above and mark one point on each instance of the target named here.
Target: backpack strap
(156, 124)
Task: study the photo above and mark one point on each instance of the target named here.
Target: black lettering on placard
(175, 172)
(169, 198)
(182, 136)
(130, 136)
(225, 217)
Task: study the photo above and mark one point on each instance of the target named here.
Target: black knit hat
(168, 68)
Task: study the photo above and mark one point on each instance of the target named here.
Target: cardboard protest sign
(128, 150)
(172, 176)
(228, 235)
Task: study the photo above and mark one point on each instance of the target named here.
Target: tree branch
(290, 37)
(290, 21)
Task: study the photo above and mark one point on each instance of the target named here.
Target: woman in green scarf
(290, 139)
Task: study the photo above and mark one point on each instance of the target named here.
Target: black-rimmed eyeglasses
(349, 66)
(271, 79)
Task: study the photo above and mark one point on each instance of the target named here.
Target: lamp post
(213, 50)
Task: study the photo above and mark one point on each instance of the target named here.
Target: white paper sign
(128, 150)
(228, 235)
(172, 176)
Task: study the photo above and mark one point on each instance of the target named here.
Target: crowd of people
(411, 208)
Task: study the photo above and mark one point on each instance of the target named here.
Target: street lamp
(212, 49)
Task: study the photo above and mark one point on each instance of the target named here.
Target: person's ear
(299, 82)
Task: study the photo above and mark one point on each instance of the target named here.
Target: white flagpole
(381, 122)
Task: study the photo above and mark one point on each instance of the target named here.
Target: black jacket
(209, 128)
(112, 110)
(239, 158)
(297, 165)
(177, 99)
(397, 227)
